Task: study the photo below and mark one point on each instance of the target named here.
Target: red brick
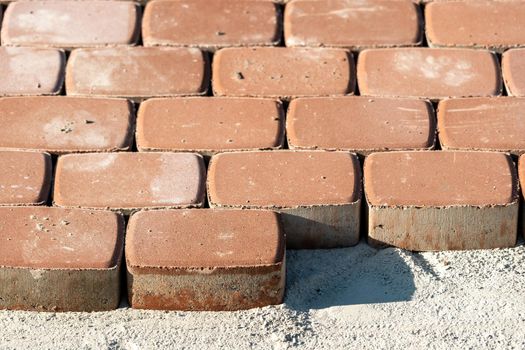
(211, 24)
(59, 124)
(130, 181)
(210, 124)
(428, 73)
(317, 193)
(283, 72)
(58, 259)
(69, 24)
(441, 200)
(356, 25)
(25, 178)
(31, 71)
(205, 259)
(513, 63)
(360, 124)
(488, 124)
(137, 72)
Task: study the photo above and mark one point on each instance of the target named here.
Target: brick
(31, 71)
(428, 73)
(211, 24)
(360, 124)
(54, 259)
(283, 72)
(428, 201)
(137, 72)
(25, 178)
(487, 124)
(130, 181)
(513, 65)
(205, 259)
(59, 124)
(458, 24)
(356, 25)
(317, 193)
(210, 124)
(69, 24)
(521, 175)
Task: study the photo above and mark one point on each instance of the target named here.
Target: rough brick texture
(513, 65)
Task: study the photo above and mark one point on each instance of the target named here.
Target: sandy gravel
(355, 298)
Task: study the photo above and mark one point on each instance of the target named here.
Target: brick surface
(488, 24)
(137, 72)
(129, 181)
(69, 24)
(482, 124)
(358, 24)
(210, 124)
(317, 193)
(360, 124)
(283, 72)
(59, 124)
(513, 65)
(441, 200)
(31, 71)
(211, 24)
(205, 259)
(428, 73)
(58, 259)
(25, 178)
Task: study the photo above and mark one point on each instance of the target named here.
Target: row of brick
(139, 73)
(224, 23)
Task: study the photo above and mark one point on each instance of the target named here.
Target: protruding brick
(211, 24)
(495, 25)
(487, 124)
(25, 178)
(317, 193)
(69, 24)
(58, 259)
(356, 25)
(130, 181)
(210, 124)
(31, 71)
(428, 73)
(59, 124)
(283, 72)
(137, 72)
(360, 124)
(427, 201)
(205, 259)
(513, 64)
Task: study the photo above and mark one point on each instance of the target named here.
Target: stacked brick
(227, 131)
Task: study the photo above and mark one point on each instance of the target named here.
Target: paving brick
(356, 25)
(360, 124)
(317, 193)
(210, 124)
(31, 71)
(428, 73)
(428, 201)
(488, 124)
(211, 24)
(129, 181)
(283, 72)
(69, 24)
(58, 259)
(495, 25)
(137, 72)
(205, 259)
(25, 177)
(59, 124)
(513, 64)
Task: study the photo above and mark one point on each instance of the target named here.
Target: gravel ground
(358, 297)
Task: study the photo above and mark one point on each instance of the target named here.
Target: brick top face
(513, 63)
(440, 179)
(204, 238)
(283, 179)
(69, 24)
